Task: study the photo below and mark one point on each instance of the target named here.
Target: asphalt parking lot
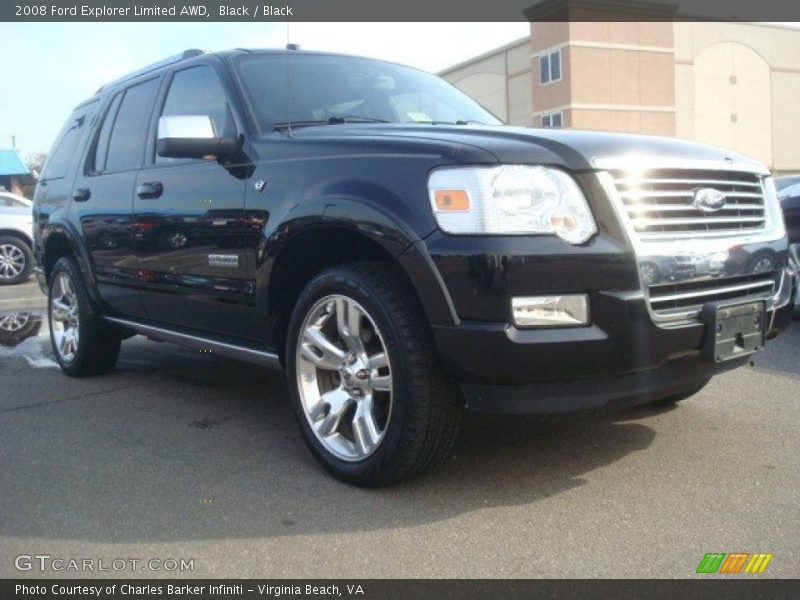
(183, 455)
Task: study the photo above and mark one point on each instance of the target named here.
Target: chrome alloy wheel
(64, 318)
(344, 378)
(14, 322)
(12, 261)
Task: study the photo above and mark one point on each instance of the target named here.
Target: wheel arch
(21, 235)
(59, 241)
(331, 242)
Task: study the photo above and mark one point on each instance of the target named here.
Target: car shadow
(184, 446)
(780, 354)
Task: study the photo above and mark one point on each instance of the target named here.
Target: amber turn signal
(451, 199)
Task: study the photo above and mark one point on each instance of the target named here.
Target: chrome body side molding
(259, 357)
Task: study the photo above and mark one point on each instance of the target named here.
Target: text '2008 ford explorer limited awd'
(381, 237)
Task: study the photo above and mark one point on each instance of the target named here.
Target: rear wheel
(16, 260)
(368, 396)
(82, 343)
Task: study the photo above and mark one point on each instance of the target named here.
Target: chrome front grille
(661, 204)
(686, 299)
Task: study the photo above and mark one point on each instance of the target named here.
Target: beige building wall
(615, 75)
(735, 85)
(499, 80)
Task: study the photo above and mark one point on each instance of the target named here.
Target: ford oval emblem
(709, 199)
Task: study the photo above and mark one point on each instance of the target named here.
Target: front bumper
(627, 354)
(632, 361)
(622, 339)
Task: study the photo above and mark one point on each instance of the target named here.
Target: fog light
(568, 310)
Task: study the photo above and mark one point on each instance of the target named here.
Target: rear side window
(66, 146)
(126, 145)
(196, 91)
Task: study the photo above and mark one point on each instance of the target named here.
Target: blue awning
(11, 164)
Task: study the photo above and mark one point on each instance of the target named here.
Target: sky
(48, 68)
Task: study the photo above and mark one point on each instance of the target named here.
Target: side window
(544, 68)
(552, 120)
(126, 145)
(550, 67)
(196, 91)
(555, 65)
(97, 162)
(66, 145)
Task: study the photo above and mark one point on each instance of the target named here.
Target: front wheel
(82, 343)
(371, 403)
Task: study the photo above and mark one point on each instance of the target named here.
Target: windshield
(334, 89)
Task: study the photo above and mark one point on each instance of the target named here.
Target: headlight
(510, 199)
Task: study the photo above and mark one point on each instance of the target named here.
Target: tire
(95, 348)
(16, 260)
(675, 398)
(412, 427)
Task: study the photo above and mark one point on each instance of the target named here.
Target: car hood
(572, 148)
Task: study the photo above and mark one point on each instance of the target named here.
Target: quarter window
(126, 145)
(550, 67)
(66, 145)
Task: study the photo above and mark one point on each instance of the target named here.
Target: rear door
(191, 233)
(103, 194)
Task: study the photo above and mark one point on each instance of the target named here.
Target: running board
(259, 357)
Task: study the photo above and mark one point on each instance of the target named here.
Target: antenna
(289, 48)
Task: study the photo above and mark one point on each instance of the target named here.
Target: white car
(16, 238)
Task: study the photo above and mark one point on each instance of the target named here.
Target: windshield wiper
(459, 122)
(331, 121)
(355, 119)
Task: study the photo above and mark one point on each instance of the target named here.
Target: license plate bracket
(733, 329)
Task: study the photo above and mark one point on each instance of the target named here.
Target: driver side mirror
(192, 136)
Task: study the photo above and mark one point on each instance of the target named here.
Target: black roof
(192, 53)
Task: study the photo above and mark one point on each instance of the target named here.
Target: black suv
(382, 238)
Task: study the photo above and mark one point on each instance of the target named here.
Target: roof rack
(157, 65)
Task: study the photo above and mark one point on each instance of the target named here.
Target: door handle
(151, 189)
(81, 194)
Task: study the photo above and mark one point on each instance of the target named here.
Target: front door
(189, 224)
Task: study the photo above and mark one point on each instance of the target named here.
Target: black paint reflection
(736, 261)
(147, 245)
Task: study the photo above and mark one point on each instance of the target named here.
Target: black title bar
(405, 10)
(404, 589)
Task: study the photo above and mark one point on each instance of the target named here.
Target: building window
(553, 120)
(550, 67)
